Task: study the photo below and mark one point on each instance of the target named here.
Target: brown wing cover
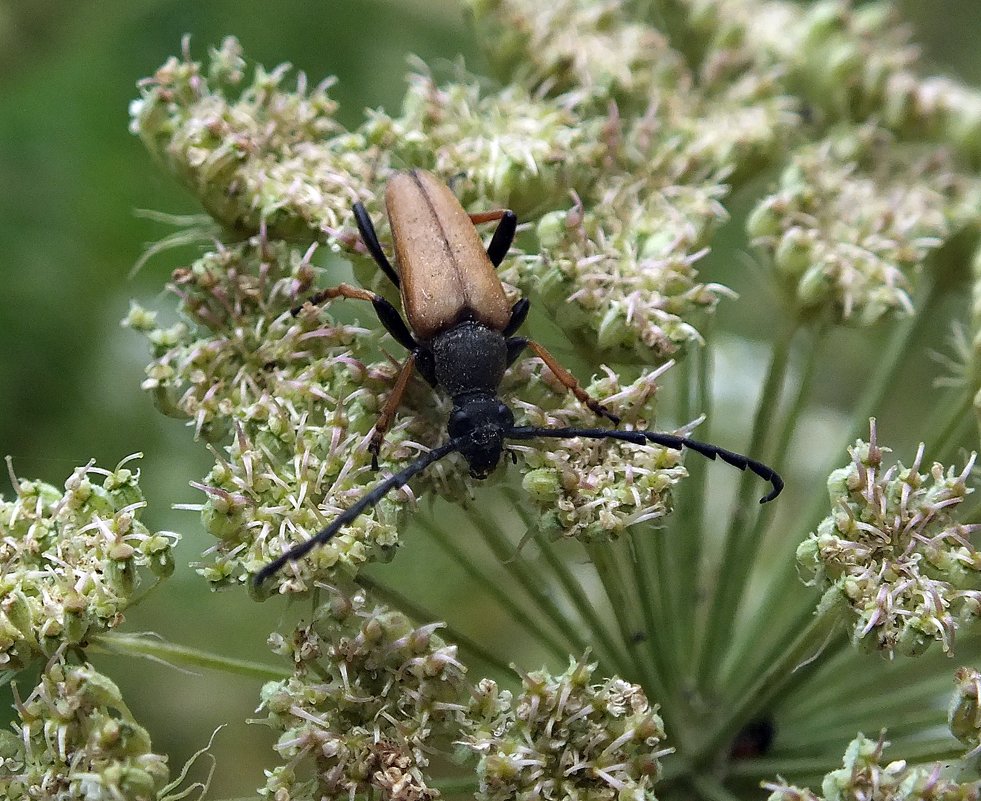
(445, 273)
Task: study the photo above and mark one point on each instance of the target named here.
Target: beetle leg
(387, 313)
(367, 230)
(426, 365)
(567, 379)
(384, 421)
(519, 311)
(503, 235)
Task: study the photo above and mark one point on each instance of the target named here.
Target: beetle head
(481, 421)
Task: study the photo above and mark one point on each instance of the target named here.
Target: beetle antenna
(368, 500)
(673, 441)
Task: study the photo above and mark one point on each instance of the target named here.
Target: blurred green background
(71, 177)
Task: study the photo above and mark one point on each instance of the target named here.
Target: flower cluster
(71, 558)
(75, 738)
(663, 120)
(863, 776)
(838, 56)
(271, 156)
(847, 61)
(286, 402)
(625, 267)
(564, 737)
(964, 711)
(589, 489)
(370, 697)
(855, 216)
(508, 147)
(592, 51)
(893, 550)
(617, 143)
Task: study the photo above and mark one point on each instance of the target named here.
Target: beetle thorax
(469, 358)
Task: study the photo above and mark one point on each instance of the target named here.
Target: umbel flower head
(370, 698)
(71, 559)
(623, 144)
(894, 550)
(565, 737)
(855, 217)
(593, 490)
(286, 403)
(286, 398)
(75, 739)
(864, 776)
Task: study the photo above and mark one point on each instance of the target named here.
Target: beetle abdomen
(445, 272)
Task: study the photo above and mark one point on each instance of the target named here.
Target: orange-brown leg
(478, 217)
(340, 291)
(387, 313)
(387, 414)
(569, 381)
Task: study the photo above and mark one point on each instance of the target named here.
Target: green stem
(712, 789)
(952, 431)
(151, 647)
(683, 539)
(754, 631)
(939, 750)
(792, 660)
(778, 766)
(457, 785)
(666, 567)
(848, 681)
(731, 575)
(897, 721)
(604, 647)
(613, 580)
(493, 589)
(422, 615)
(782, 592)
(530, 581)
(646, 562)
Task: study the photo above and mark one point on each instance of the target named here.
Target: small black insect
(460, 336)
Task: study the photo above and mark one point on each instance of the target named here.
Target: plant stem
(774, 678)
(949, 429)
(646, 578)
(731, 576)
(530, 623)
(530, 581)
(613, 580)
(684, 536)
(753, 631)
(604, 646)
(151, 647)
(711, 788)
(782, 591)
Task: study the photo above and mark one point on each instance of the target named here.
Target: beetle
(460, 332)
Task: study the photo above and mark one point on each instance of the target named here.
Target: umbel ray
(460, 332)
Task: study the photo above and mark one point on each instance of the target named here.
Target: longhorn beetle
(460, 336)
